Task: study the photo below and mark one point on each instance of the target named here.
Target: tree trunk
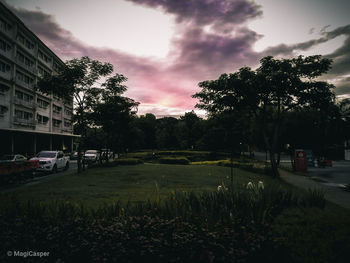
(274, 165)
(79, 158)
(278, 157)
(272, 151)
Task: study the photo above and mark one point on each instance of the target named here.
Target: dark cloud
(196, 54)
(340, 57)
(201, 53)
(343, 87)
(223, 15)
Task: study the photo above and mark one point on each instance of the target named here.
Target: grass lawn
(298, 233)
(134, 183)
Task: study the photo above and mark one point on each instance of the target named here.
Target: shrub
(125, 161)
(174, 160)
(251, 166)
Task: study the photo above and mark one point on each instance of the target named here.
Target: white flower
(261, 185)
(222, 188)
(250, 185)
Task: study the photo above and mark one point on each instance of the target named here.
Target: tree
(114, 112)
(268, 93)
(165, 133)
(79, 80)
(188, 130)
(143, 129)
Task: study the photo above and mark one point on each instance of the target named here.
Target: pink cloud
(166, 86)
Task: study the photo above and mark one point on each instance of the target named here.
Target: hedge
(174, 160)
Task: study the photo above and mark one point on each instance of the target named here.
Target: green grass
(137, 183)
(301, 233)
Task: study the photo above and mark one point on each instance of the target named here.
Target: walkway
(333, 192)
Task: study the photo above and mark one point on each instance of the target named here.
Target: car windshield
(7, 157)
(90, 152)
(46, 155)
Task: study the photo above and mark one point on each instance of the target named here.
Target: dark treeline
(280, 106)
(323, 132)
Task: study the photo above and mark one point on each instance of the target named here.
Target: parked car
(92, 156)
(74, 155)
(51, 161)
(13, 158)
(14, 167)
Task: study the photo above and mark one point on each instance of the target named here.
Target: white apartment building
(30, 121)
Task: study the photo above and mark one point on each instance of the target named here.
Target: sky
(166, 47)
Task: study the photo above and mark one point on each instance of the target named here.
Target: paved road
(262, 156)
(333, 193)
(338, 174)
(40, 178)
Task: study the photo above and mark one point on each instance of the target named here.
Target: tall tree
(114, 112)
(269, 92)
(79, 80)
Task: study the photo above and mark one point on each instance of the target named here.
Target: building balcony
(67, 130)
(25, 85)
(46, 63)
(24, 122)
(6, 54)
(27, 104)
(39, 106)
(56, 129)
(8, 33)
(57, 113)
(31, 69)
(6, 75)
(29, 50)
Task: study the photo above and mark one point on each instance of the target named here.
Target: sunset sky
(165, 47)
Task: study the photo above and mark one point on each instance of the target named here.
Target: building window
(56, 109)
(42, 72)
(25, 42)
(3, 109)
(56, 67)
(68, 112)
(23, 96)
(4, 46)
(23, 115)
(56, 123)
(42, 103)
(44, 57)
(42, 119)
(25, 60)
(5, 25)
(67, 123)
(4, 88)
(4, 67)
(24, 78)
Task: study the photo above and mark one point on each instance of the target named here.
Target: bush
(251, 166)
(174, 160)
(125, 161)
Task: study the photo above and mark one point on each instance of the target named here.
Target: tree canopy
(269, 92)
(96, 93)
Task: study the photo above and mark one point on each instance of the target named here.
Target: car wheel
(54, 169)
(67, 166)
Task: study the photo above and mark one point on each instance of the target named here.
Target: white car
(51, 161)
(92, 156)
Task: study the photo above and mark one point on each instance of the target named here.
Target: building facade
(30, 121)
